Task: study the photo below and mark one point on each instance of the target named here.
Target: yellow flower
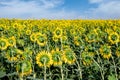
(32, 37)
(57, 33)
(69, 56)
(12, 59)
(28, 50)
(55, 38)
(15, 25)
(56, 57)
(41, 39)
(105, 51)
(92, 37)
(22, 55)
(24, 68)
(3, 44)
(108, 30)
(44, 58)
(87, 58)
(64, 38)
(28, 32)
(113, 37)
(12, 41)
(77, 40)
(72, 32)
(12, 54)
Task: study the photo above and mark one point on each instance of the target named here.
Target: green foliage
(59, 49)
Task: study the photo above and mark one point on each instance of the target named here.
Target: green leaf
(2, 74)
(111, 77)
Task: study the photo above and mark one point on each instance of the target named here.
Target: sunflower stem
(114, 67)
(62, 75)
(79, 69)
(21, 78)
(61, 44)
(101, 69)
(44, 70)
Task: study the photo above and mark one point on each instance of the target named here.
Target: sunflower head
(105, 51)
(22, 55)
(92, 37)
(87, 58)
(28, 50)
(3, 43)
(64, 39)
(12, 41)
(32, 37)
(24, 68)
(77, 40)
(72, 32)
(69, 56)
(15, 25)
(41, 39)
(28, 32)
(12, 54)
(43, 58)
(55, 39)
(113, 37)
(56, 57)
(58, 32)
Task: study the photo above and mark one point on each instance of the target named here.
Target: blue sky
(60, 9)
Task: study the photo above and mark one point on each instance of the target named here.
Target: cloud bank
(33, 9)
(106, 9)
(54, 9)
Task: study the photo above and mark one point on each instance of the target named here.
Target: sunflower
(32, 37)
(69, 56)
(12, 41)
(64, 39)
(92, 37)
(118, 52)
(43, 59)
(87, 58)
(72, 32)
(12, 59)
(15, 25)
(77, 40)
(3, 44)
(28, 32)
(56, 57)
(12, 54)
(28, 50)
(24, 68)
(41, 39)
(22, 55)
(113, 37)
(55, 38)
(105, 51)
(57, 33)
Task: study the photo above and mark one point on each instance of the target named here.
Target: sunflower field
(59, 49)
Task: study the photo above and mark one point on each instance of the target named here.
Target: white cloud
(34, 9)
(107, 9)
